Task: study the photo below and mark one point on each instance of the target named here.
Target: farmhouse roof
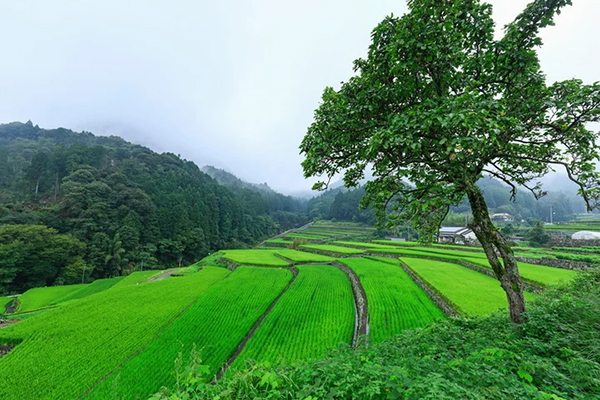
(454, 231)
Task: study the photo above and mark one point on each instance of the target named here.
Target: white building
(585, 235)
(456, 234)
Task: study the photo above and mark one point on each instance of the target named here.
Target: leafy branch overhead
(439, 102)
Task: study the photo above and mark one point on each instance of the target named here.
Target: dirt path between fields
(361, 325)
(163, 276)
(4, 350)
(255, 327)
(6, 322)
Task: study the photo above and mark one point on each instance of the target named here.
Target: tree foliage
(34, 255)
(438, 103)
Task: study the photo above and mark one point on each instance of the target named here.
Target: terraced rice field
(537, 274)
(118, 338)
(308, 236)
(278, 241)
(92, 288)
(37, 298)
(62, 352)
(137, 277)
(469, 291)
(303, 256)
(217, 322)
(315, 314)
(255, 257)
(332, 249)
(395, 301)
(364, 245)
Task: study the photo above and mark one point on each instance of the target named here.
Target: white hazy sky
(229, 83)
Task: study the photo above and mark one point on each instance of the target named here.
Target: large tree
(438, 103)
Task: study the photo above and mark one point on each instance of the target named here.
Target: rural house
(453, 234)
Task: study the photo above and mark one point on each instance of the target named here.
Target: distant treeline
(343, 204)
(114, 207)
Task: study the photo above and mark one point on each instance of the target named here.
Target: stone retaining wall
(554, 262)
(360, 301)
(568, 242)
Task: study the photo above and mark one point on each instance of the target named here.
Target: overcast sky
(230, 83)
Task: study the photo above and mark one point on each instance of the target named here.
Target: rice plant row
(303, 256)
(216, 323)
(395, 301)
(315, 314)
(64, 351)
(306, 236)
(278, 241)
(473, 293)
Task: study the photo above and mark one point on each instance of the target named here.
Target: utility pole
(551, 223)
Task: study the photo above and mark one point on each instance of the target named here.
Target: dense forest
(104, 206)
(287, 211)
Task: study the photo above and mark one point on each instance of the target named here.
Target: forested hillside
(342, 204)
(287, 211)
(116, 206)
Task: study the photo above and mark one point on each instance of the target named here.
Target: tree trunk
(494, 243)
(37, 186)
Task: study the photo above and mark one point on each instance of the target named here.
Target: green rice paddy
(216, 323)
(395, 301)
(255, 257)
(332, 249)
(315, 314)
(37, 298)
(62, 352)
(471, 292)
